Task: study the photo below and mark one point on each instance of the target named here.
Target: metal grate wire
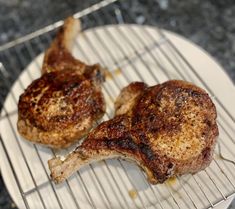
(16, 55)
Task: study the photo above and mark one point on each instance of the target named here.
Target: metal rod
(57, 24)
(200, 186)
(224, 174)
(80, 177)
(35, 147)
(21, 149)
(114, 60)
(174, 66)
(14, 172)
(147, 48)
(112, 174)
(113, 77)
(59, 202)
(227, 133)
(133, 47)
(198, 76)
(191, 199)
(212, 179)
(22, 87)
(102, 188)
(149, 35)
(163, 70)
(184, 78)
(138, 54)
(152, 189)
(36, 187)
(11, 113)
(31, 52)
(117, 44)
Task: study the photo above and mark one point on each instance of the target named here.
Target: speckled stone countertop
(210, 24)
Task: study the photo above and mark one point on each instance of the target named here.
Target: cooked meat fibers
(167, 129)
(62, 105)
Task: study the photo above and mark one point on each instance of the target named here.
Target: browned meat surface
(62, 105)
(58, 56)
(168, 129)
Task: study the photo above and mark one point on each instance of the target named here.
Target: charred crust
(63, 104)
(163, 118)
(137, 86)
(206, 153)
(144, 149)
(125, 144)
(72, 89)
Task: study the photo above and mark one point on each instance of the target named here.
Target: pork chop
(61, 106)
(167, 129)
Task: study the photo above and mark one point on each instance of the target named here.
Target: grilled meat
(168, 129)
(58, 56)
(62, 105)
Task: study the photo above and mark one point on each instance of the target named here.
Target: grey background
(210, 24)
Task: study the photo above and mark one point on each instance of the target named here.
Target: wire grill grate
(152, 50)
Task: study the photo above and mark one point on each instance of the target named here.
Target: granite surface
(210, 24)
